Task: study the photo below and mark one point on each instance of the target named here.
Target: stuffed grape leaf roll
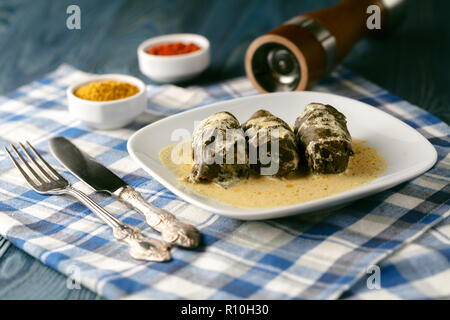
(269, 156)
(219, 151)
(323, 138)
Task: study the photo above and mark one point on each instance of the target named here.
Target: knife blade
(100, 178)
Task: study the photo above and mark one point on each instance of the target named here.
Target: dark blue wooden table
(412, 62)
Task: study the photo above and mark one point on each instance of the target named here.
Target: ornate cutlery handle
(172, 229)
(141, 248)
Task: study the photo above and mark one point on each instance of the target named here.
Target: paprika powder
(171, 49)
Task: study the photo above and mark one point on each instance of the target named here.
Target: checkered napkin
(316, 256)
(417, 271)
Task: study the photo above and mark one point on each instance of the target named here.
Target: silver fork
(46, 180)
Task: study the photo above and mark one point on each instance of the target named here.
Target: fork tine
(49, 167)
(36, 176)
(30, 158)
(17, 165)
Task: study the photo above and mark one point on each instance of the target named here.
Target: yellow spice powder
(106, 90)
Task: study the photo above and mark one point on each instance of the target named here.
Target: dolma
(323, 138)
(219, 151)
(260, 130)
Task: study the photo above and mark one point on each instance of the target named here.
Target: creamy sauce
(265, 192)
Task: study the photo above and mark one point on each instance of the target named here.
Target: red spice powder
(175, 48)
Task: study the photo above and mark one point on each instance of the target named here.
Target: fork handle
(141, 248)
(172, 229)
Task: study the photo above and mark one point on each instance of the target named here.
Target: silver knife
(102, 179)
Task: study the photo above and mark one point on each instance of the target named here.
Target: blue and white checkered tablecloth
(419, 270)
(403, 230)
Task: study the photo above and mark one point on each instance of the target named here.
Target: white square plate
(408, 153)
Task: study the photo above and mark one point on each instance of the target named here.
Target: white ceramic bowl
(174, 68)
(111, 114)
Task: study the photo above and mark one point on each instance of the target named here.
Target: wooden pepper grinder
(297, 54)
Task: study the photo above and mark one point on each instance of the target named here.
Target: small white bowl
(111, 114)
(166, 69)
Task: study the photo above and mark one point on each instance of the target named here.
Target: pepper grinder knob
(300, 52)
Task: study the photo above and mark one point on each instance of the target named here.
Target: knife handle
(172, 230)
(141, 248)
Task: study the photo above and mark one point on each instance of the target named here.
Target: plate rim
(304, 207)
